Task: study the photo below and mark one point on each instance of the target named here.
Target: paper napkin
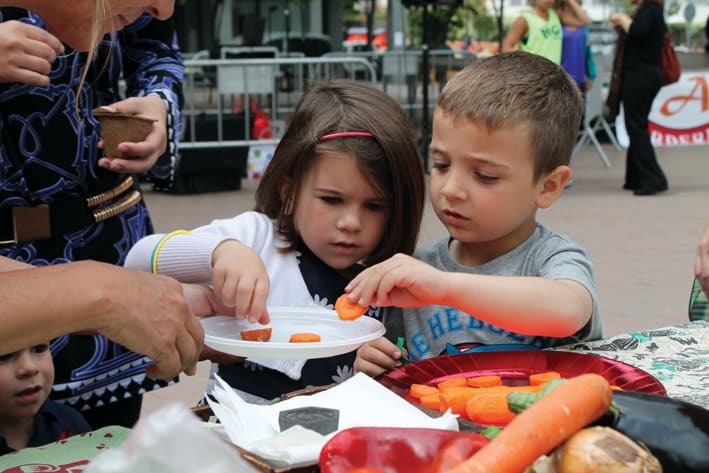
(361, 401)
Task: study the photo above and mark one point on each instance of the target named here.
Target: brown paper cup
(117, 128)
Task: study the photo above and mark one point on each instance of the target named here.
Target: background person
(92, 296)
(574, 21)
(83, 205)
(636, 80)
(537, 31)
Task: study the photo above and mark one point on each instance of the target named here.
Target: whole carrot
(543, 426)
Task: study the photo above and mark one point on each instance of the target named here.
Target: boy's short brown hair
(523, 89)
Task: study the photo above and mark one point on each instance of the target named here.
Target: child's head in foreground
(347, 178)
(26, 379)
(503, 132)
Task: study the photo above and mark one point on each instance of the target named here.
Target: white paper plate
(337, 336)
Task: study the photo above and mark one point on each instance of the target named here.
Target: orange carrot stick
(458, 381)
(456, 398)
(418, 390)
(304, 337)
(489, 409)
(485, 381)
(543, 378)
(543, 426)
(432, 401)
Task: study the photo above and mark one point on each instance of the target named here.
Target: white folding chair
(593, 119)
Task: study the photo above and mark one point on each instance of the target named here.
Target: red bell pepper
(396, 450)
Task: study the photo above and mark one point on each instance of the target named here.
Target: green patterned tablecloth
(71, 455)
(678, 356)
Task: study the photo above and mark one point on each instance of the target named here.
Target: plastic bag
(170, 440)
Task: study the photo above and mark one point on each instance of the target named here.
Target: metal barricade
(258, 78)
(217, 134)
(398, 73)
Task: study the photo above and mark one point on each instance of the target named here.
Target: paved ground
(643, 247)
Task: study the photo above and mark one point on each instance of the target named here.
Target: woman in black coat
(641, 79)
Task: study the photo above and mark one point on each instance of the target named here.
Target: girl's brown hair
(390, 159)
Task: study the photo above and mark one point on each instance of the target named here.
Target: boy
(27, 417)
(503, 132)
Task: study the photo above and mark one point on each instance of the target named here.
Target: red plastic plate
(515, 366)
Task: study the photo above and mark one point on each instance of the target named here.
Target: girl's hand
(378, 356)
(27, 53)
(400, 281)
(143, 155)
(240, 281)
(202, 301)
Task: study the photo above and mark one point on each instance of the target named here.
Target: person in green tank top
(538, 30)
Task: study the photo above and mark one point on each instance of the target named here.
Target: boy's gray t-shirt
(544, 254)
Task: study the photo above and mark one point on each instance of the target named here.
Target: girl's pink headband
(347, 134)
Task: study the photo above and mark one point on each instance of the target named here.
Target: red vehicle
(356, 39)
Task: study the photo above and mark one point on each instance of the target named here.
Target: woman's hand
(141, 156)
(620, 20)
(27, 53)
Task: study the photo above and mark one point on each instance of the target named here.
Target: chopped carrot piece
(432, 401)
(347, 310)
(453, 382)
(419, 390)
(256, 335)
(304, 337)
(543, 378)
(489, 409)
(456, 398)
(485, 381)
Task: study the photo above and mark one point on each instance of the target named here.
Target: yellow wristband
(158, 247)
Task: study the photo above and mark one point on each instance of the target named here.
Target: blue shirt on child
(53, 422)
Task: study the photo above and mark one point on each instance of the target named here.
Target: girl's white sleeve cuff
(186, 257)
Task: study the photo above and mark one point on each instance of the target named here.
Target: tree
(441, 21)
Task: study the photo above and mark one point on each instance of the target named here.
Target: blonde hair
(101, 11)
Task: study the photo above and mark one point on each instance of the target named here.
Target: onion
(603, 450)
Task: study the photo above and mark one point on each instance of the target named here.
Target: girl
(345, 189)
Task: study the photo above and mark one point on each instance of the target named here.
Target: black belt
(66, 214)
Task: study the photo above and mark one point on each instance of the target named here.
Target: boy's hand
(400, 281)
(240, 281)
(378, 356)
